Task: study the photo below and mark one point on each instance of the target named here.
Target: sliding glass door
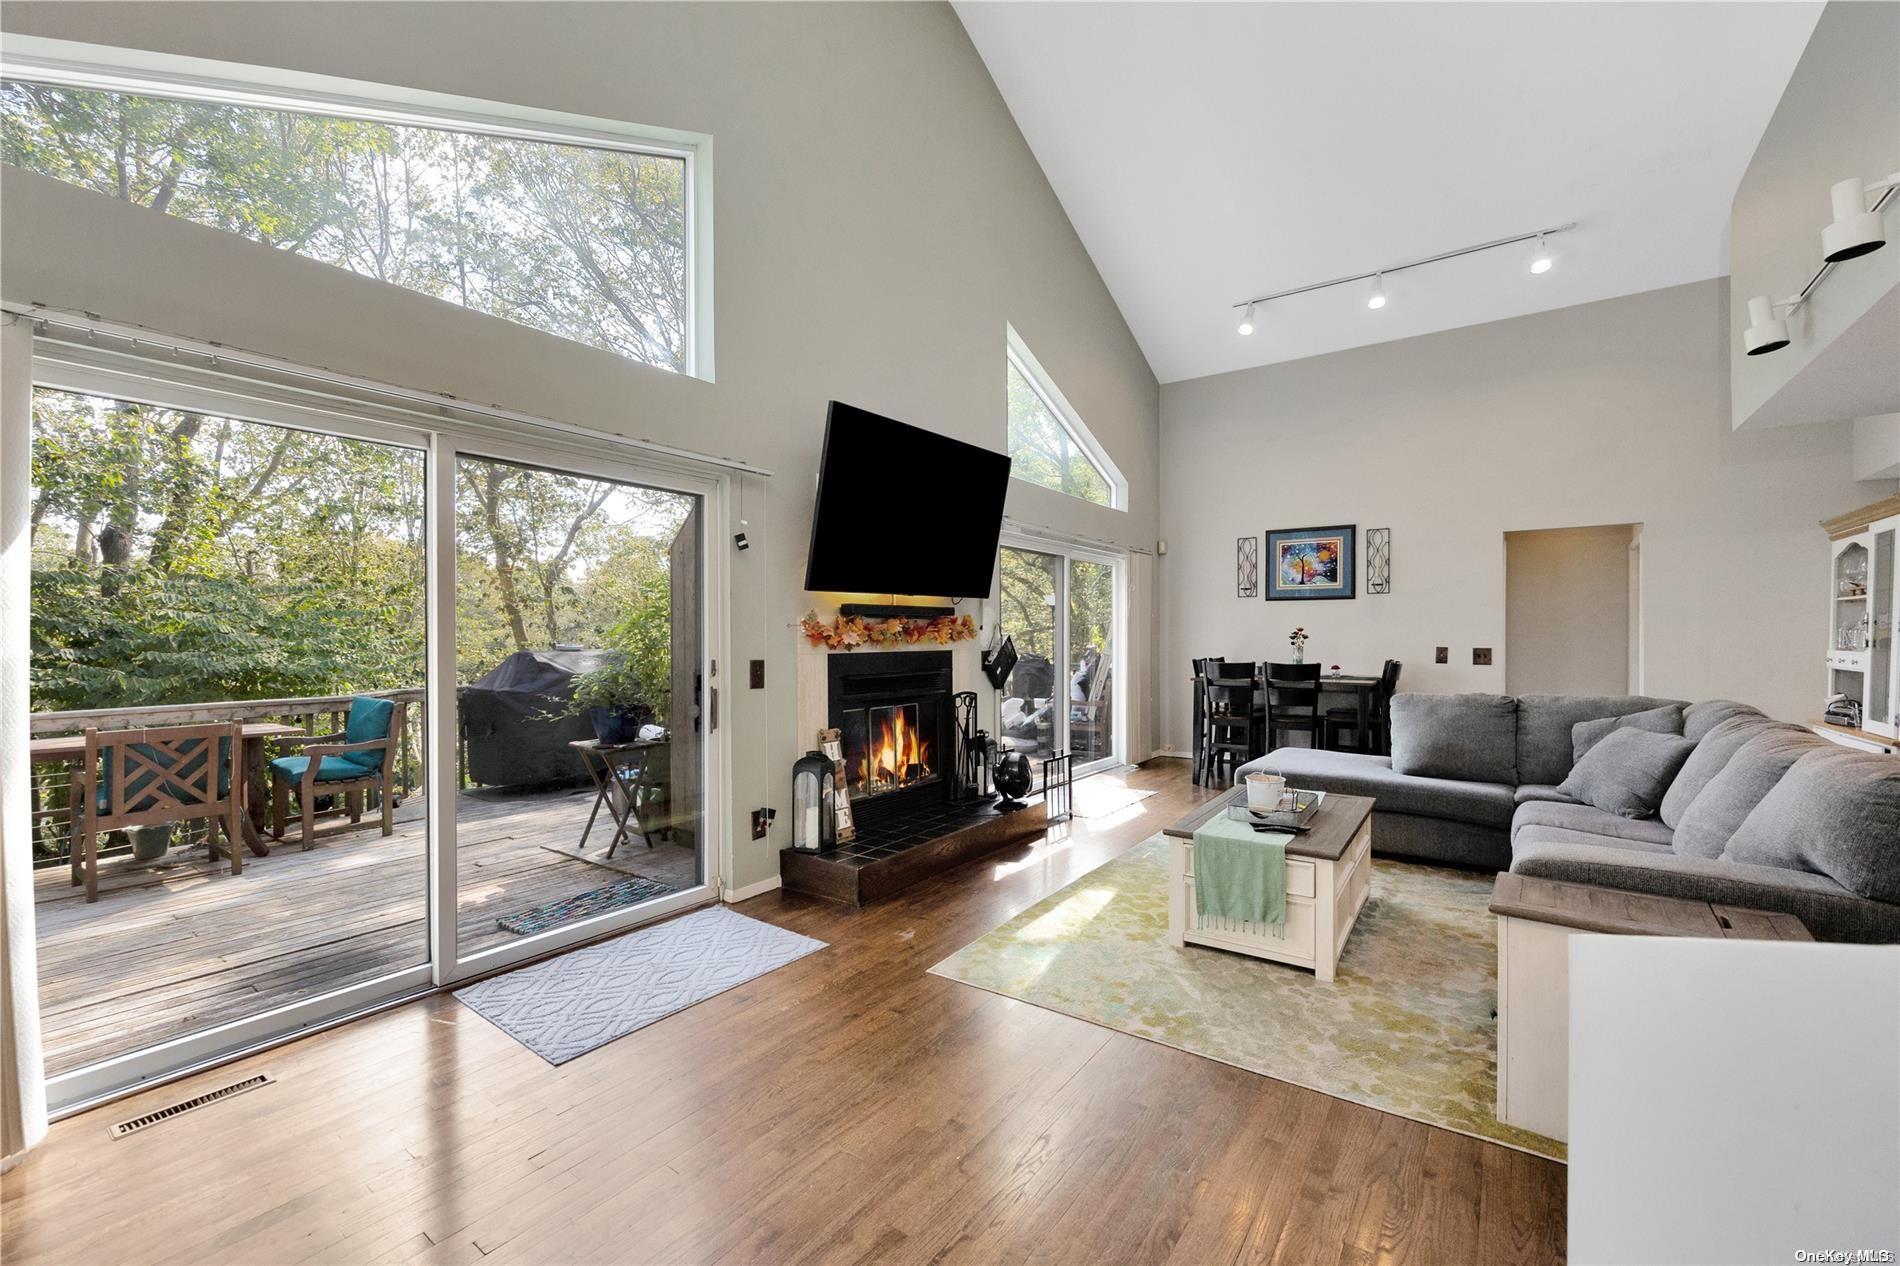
(1062, 606)
(579, 640)
(458, 704)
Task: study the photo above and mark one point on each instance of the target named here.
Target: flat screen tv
(902, 510)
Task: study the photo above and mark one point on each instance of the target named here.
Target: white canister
(1264, 791)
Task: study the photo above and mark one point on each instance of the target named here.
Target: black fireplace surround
(893, 709)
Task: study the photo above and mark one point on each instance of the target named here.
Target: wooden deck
(165, 952)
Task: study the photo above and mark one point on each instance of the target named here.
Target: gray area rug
(568, 1005)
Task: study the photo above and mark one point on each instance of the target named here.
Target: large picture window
(590, 241)
(1048, 445)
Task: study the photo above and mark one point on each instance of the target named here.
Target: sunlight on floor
(1068, 917)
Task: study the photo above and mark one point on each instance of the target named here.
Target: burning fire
(898, 753)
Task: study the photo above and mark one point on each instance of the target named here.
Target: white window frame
(1070, 553)
(70, 64)
(1025, 363)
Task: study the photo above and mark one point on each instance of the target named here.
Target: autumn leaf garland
(850, 632)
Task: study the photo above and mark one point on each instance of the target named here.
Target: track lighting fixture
(1766, 331)
(1857, 229)
(1540, 259)
(1541, 262)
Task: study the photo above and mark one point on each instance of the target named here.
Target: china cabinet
(1863, 639)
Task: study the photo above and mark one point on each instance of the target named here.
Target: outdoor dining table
(70, 749)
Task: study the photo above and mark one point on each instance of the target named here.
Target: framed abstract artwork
(1310, 563)
(1247, 567)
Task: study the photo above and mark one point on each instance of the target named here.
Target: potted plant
(614, 700)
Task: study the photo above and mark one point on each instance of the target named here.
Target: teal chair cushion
(141, 780)
(369, 720)
(333, 768)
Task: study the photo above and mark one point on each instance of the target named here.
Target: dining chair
(1294, 709)
(1236, 719)
(1199, 736)
(359, 759)
(1377, 740)
(153, 777)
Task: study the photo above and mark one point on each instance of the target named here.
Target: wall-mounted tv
(902, 510)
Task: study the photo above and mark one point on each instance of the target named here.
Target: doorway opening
(1573, 610)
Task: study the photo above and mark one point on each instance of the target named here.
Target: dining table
(70, 749)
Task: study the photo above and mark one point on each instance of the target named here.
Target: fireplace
(893, 709)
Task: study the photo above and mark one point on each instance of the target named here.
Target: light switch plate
(758, 674)
(1444, 655)
(1481, 656)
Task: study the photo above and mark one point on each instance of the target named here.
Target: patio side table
(620, 774)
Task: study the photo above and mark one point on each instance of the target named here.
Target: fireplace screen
(891, 747)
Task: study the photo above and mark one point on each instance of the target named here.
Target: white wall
(878, 220)
(1567, 616)
(1611, 412)
(1839, 117)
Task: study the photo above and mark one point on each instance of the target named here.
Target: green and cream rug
(1406, 1027)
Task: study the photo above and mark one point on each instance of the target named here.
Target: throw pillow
(1699, 718)
(1835, 812)
(1471, 737)
(1719, 808)
(1585, 735)
(1712, 753)
(1628, 772)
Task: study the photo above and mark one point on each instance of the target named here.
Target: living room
(1115, 644)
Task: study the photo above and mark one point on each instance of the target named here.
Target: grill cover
(514, 728)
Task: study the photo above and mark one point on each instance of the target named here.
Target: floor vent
(136, 1124)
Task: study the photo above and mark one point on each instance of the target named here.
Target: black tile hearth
(895, 852)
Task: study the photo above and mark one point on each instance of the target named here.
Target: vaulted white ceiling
(1207, 153)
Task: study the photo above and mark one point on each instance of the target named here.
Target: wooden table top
(73, 746)
(1337, 821)
(1344, 679)
(1588, 908)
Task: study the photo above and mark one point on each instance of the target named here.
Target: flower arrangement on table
(1297, 639)
(850, 632)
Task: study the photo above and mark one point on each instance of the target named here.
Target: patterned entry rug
(568, 1005)
(617, 895)
(1406, 1027)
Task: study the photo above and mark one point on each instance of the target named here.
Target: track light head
(1541, 262)
(1377, 298)
(1246, 320)
(1766, 332)
(1856, 231)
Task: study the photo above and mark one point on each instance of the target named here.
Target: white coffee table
(1328, 878)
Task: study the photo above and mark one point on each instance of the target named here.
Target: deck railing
(313, 714)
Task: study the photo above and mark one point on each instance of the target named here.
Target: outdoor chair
(360, 759)
(153, 777)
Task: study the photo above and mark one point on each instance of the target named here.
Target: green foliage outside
(585, 243)
(1042, 452)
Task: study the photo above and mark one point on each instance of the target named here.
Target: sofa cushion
(1532, 791)
(1699, 718)
(1712, 753)
(1472, 737)
(1545, 742)
(1732, 794)
(1587, 818)
(1585, 735)
(1835, 812)
(1830, 912)
(1538, 836)
(1353, 774)
(1628, 772)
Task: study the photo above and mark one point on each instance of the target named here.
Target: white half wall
(1607, 413)
(879, 219)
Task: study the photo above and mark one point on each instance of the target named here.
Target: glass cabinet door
(1880, 669)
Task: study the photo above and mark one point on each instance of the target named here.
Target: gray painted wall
(879, 219)
(1839, 117)
(1611, 412)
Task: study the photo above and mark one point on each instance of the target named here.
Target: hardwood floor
(846, 1108)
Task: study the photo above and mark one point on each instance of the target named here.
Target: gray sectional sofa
(1709, 801)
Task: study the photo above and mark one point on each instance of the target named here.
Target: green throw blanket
(1240, 873)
